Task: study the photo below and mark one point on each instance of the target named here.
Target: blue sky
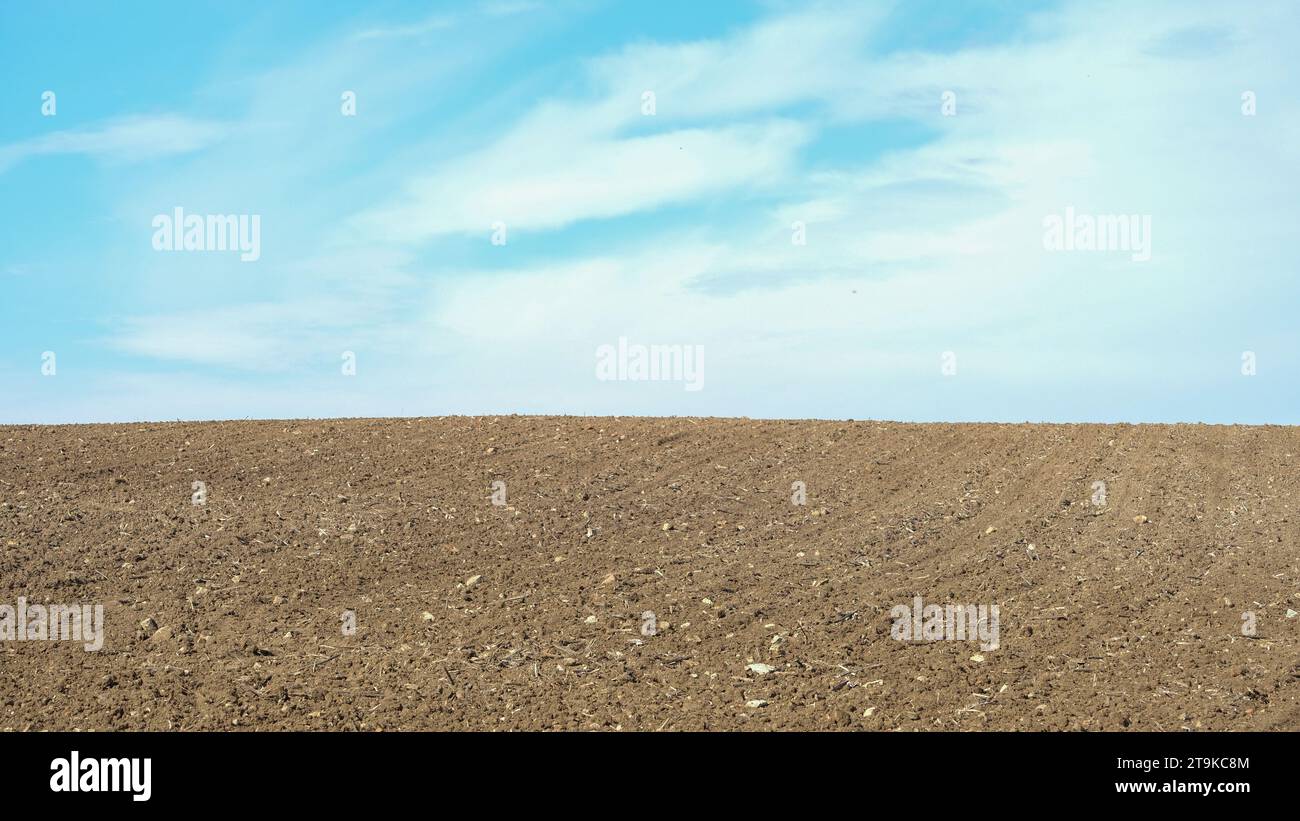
(923, 226)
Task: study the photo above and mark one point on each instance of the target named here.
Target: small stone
(608, 580)
(990, 529)
(277, 600)
(472, 580)
(977, 658)
(755, 703)
(761, 669)
(867, 712)
(266, 480)
(1140, 520)
(161, 634)
(1290, 614)
(666, 526)
(426, 615)
(589, 620)
(149, 625)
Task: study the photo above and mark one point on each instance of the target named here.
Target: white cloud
(814, 54)
(429, 24)
(536, 180)
(566, 161)
(265, 337)
(443, 22)
(129, 139)
(931, 247)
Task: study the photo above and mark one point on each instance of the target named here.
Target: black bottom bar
(327, 770)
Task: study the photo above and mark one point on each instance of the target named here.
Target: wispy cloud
(264, 337)
(429, 24)
(547, 176)
(128, 139)
(444, 21)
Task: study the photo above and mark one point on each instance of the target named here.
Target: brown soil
(1110, 623)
